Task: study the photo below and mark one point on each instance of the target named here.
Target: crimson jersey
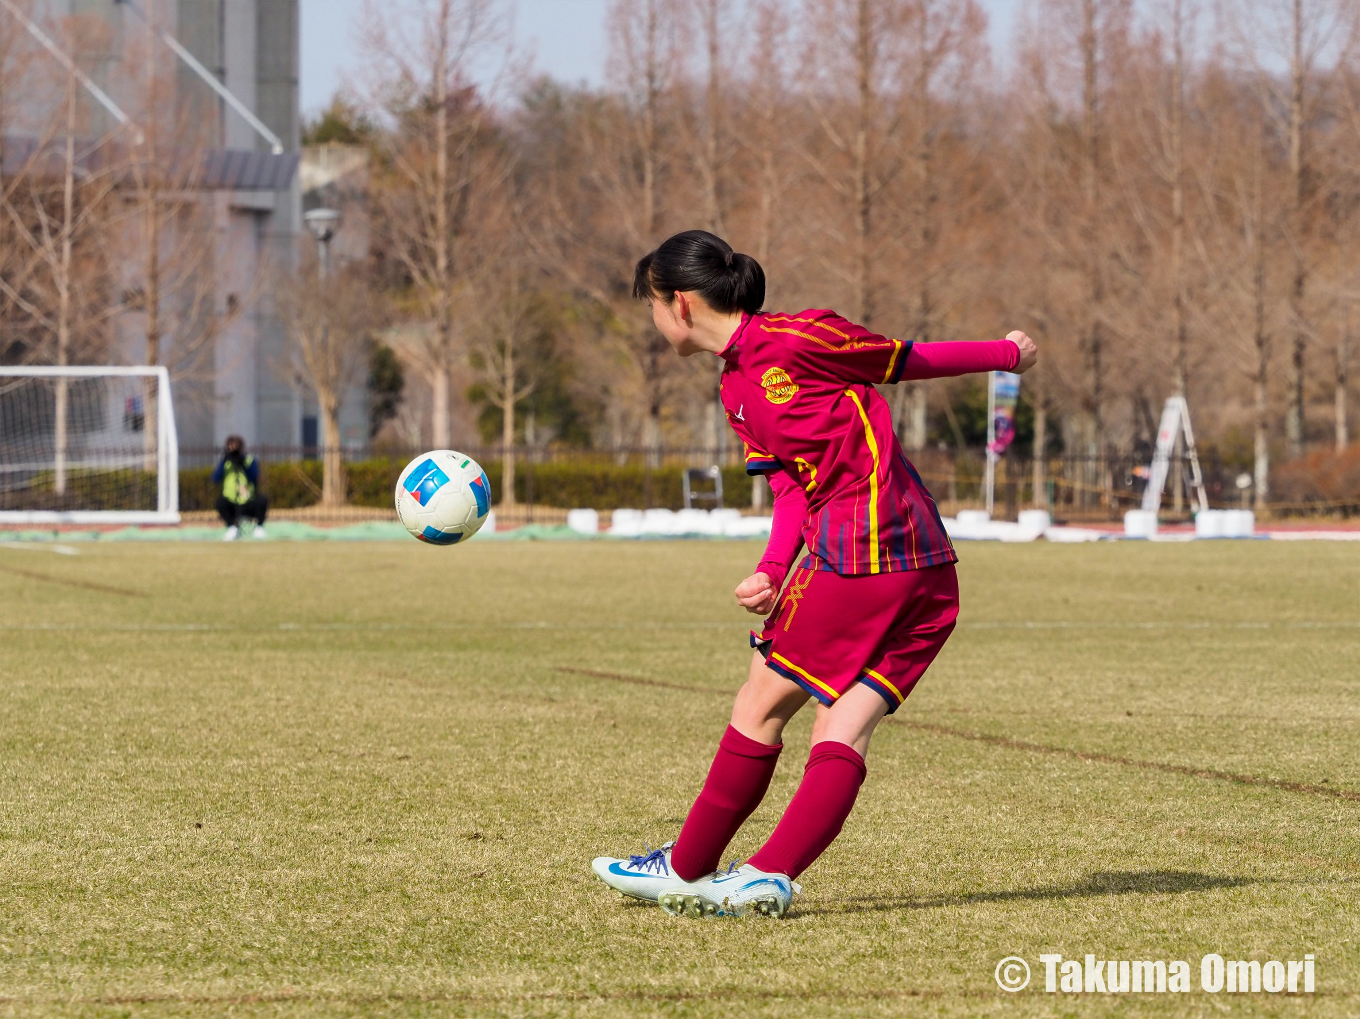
(799, 392)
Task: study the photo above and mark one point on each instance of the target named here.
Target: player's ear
(684, 308)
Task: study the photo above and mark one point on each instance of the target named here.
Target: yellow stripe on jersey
(803, 465)
(873, 482)
(897, 349)
(806, 675)
(809, 321)
(807, 336)
(891, 689)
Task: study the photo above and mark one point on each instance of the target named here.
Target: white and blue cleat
(642, 876)
(742, 891)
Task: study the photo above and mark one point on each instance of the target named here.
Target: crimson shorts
(829, 632)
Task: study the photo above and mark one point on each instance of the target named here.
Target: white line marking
(41, 546)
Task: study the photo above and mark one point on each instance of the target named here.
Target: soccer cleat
(642, 876)
(742, 891)
(231, 534)
(259, 532)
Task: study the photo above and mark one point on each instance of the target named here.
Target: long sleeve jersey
(799, 392)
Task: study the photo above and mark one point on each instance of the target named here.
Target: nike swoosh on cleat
(617, 868)
(762, 881)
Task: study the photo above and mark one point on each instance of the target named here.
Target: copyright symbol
(1012, 974)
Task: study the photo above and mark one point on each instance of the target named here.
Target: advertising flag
(1005, 396)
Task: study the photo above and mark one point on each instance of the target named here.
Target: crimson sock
(736, 784)
(817, 811)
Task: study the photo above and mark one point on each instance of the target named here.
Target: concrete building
(250, 194)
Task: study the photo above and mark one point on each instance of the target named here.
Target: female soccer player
(865, 612)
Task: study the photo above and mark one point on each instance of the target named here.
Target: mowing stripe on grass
(1099, 758)
(721, 994)
(1093, 757)
(1060, 624)
(344, 627)
(639, 681)
(86, 584)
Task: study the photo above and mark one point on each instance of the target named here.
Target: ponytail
(703, 263)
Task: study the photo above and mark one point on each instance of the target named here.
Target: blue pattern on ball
(437, 537)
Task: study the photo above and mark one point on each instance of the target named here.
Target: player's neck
(713, 331)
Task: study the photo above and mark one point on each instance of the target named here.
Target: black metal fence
(1071, 487)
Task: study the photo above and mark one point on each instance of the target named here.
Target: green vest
(236, 486)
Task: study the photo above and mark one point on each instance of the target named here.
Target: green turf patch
(366, 779)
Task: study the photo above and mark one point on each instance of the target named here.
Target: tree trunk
(64, 309)
(1294, 417)
(712, 140)
(1095, 437)
(864, 299)
(915, 416)
(443, 217)
(1295, 428)
(1261, 442)
(151, 227)
(651, 438)
(439, 426)
(1261, 470)
(650, 207)
(508, 423)
(759, 486)
(1040, 464)
(712, 416)
(332, 459)
(1343, 357)
(1180, 380)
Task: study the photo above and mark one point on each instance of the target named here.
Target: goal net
(87, 445)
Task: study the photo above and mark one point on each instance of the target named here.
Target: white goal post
(88, 445)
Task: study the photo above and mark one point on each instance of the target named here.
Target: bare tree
(1234, 249)
(605, 205)
(766, 139)
(501, 362)
(164, 233)
(711, 152)
(943, 49)
(440, 162)
(62, 281)
(1305, 36)
(331, 322)
(855, 95)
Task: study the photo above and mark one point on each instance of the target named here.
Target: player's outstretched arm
(1016, 353)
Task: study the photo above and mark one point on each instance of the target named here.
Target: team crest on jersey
(779, 388)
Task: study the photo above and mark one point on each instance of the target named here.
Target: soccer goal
(83, 445)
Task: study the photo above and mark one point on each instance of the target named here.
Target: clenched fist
(757, 594)
(1029, 353)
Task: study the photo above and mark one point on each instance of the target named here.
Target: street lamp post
(324, 224)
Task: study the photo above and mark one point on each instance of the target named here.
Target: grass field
(364, 780)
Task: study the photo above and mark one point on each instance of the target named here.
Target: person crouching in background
(239, 475)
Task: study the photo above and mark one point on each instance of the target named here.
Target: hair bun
(685, 262)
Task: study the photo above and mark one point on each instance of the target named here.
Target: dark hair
(706, 264)
(234, 447)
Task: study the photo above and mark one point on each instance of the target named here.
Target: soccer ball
(443, 497)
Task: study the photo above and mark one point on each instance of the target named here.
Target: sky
(567, 38)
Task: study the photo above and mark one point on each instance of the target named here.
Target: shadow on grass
(1119, 882)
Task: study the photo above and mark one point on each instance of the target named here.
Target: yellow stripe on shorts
(806, 675)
